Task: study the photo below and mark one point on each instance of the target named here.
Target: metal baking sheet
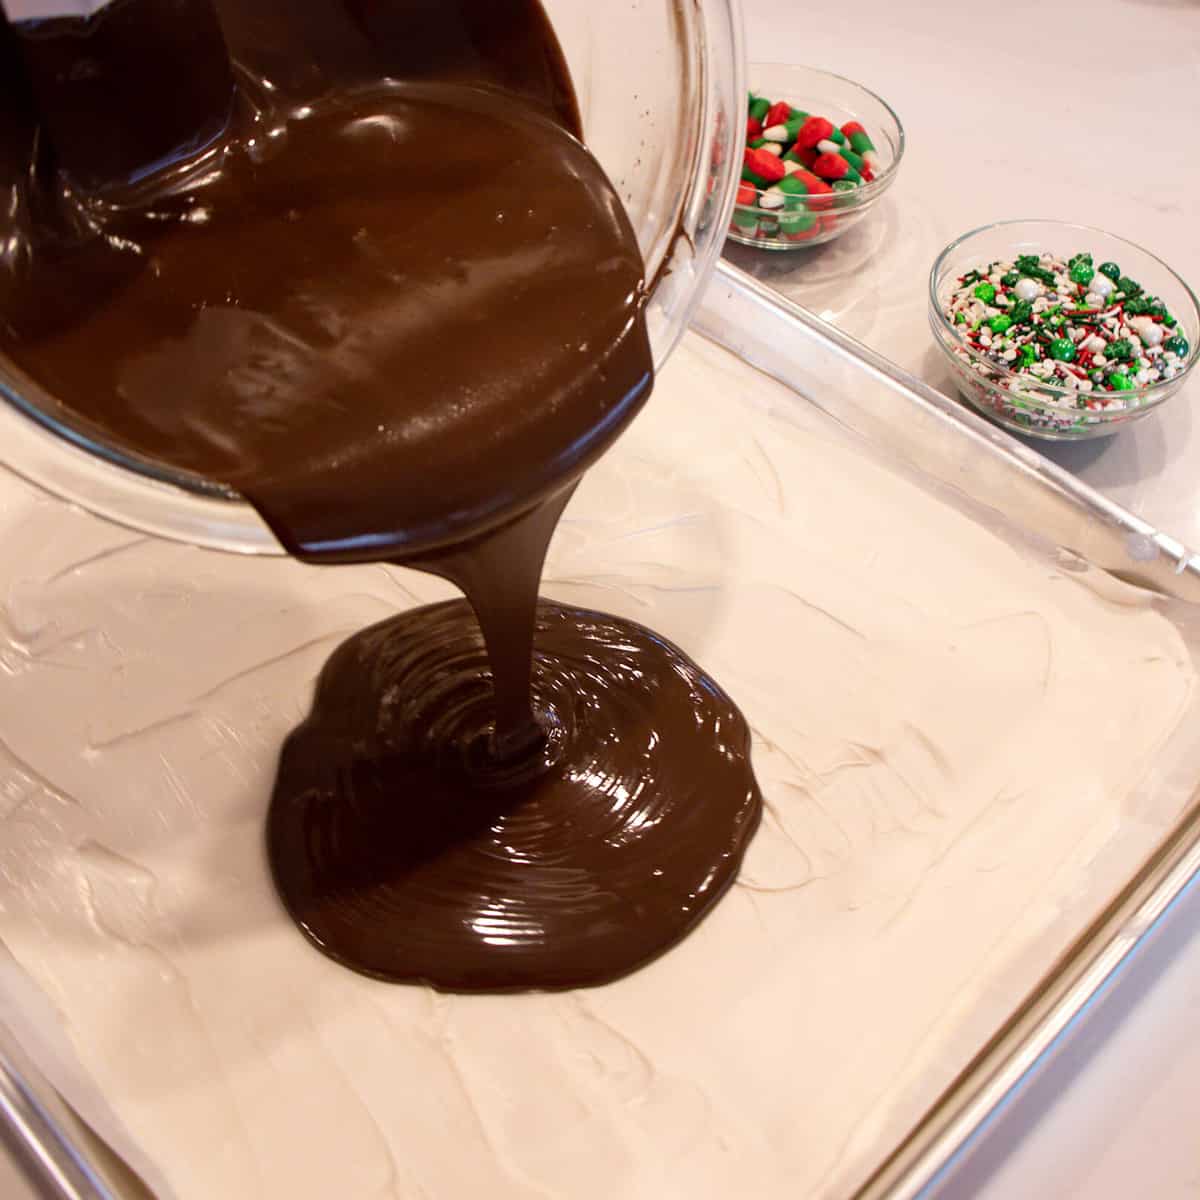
(981, 466)
(837, 383)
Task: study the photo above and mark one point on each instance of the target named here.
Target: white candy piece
(1148, 330)
(775, 133)
(774, 148)
(772, 198)
(1102, 286)
(1028, 289)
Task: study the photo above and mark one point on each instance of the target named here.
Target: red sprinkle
(814, 130)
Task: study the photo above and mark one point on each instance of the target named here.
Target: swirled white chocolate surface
(949, 737)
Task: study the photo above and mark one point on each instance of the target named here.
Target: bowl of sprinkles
(1061, 331)
(820, 152)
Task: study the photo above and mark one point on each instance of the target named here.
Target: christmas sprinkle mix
(1089, 334)
(797, 167)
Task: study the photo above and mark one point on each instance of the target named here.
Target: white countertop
(1033, 110)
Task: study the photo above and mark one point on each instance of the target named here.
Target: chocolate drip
(389, 296)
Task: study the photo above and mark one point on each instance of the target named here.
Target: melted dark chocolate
(399, 852)
(388, 295)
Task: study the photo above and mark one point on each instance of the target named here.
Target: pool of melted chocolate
(369, 276)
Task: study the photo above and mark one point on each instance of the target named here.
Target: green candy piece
(759, 107)
(749, 176)
(757, 143)
(985, 292)
(1063, 350)
(1021, 311)
(1010, 278)
(1120, 382)
(844, 185)
(1031, 265)
(1111, 270)
(745, 218)
(1129, 286)
(1080, 269)
(1120, 351)
(999, 324)
(795, 191)
(1177, 345)
(798, 222)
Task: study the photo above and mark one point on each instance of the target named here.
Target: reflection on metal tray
(981, 471)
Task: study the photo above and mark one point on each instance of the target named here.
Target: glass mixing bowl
(661, 92)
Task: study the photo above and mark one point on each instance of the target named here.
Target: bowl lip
(878, 185)
(1138, 397)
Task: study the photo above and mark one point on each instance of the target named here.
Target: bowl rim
(1138, 397)
(878, 185)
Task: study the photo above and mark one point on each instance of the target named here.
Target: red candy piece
(831, 166)
(814, 130)
(820, 194)
(765, 165)
(777, 114)
(747, 193)
(807, 157)
(753, 127)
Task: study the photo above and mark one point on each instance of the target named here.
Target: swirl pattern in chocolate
(400, 849)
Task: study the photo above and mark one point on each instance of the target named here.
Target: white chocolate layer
(949, 736)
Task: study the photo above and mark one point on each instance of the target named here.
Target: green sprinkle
(1137, 306)
(1029, 354)
(1063, 350)
(1120, 382)
(960, 319)
(1129, 286)
(1021, 311)
(999, 324)
(985, 292)
(1010, 278)
(1120, 351)
(971, 277)
(1177, 345)
(1111, 270)
(1169, 321)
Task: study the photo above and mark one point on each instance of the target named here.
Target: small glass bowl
(840, 100)
(1022, 403)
